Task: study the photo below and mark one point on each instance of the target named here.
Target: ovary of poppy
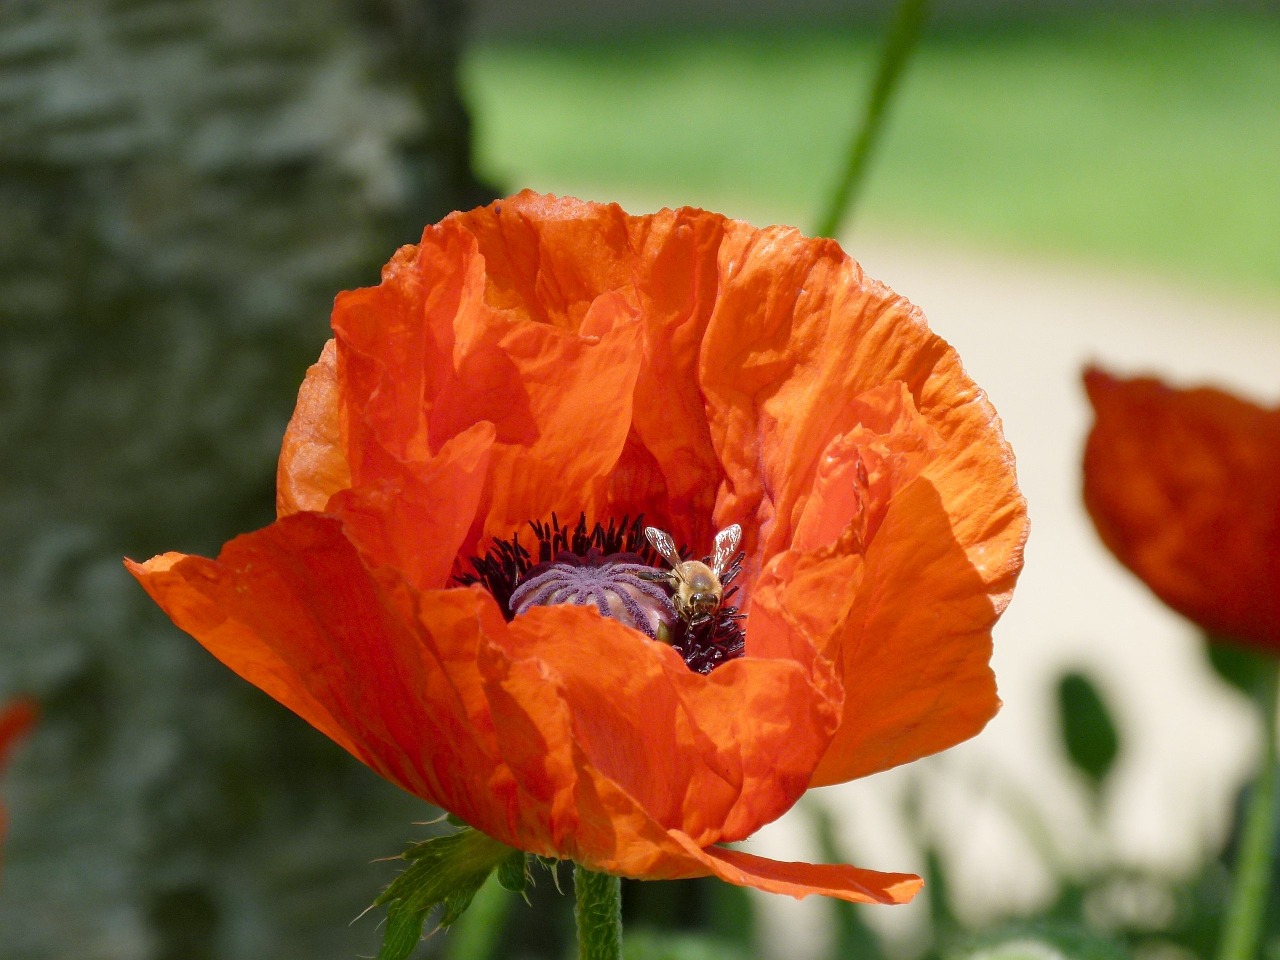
(546, 356)
(1183, 486)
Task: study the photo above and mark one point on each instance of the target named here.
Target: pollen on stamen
(603, 566)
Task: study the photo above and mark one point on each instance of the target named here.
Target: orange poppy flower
(543, 358)
(1184, 488)
(16, 719)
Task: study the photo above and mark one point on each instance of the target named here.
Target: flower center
(612, 584)
(615, 570)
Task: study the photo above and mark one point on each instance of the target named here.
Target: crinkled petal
(715, 756)
(598, 823)
(915, 663)
(1184, 488)
(292, 609)
(554, 260)
(396, 344)
(313, 464)
(417, 522)
(799, 334)
(566, 412)
(421, 362)
(861, 471)
(674, 259)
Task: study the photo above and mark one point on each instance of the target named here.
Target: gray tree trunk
(184, 185)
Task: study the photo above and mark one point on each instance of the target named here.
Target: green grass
(1143, 142)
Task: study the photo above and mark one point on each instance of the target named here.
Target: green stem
(1242, 930)
(599, 914)
(900, 41)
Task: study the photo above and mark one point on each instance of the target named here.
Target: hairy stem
(599, 914)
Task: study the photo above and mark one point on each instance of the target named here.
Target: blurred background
(185, 184)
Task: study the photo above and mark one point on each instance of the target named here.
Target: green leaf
(444, 872)
(1244, 669)
(1088, 731)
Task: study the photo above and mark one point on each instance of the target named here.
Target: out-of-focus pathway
(1025, 328)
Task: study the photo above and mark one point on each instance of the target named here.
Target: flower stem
(1241, 932)
(899, 42)
(599, 914)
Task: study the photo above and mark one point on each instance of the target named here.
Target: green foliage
(446, 873)
(650, 944)
(1088, 732)
(513, 873)
(1031, 941)
(853, 938)
(1245, 669)
(1063, 135)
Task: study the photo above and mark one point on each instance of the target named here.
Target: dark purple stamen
(602, 566)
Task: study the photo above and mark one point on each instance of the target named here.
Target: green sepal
(513, 872)
(552, 866)
(402, 932)
(443, 872)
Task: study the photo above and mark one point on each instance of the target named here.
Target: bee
(696, 588)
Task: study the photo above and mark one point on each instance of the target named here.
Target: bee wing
(727, 541)
(662, 542)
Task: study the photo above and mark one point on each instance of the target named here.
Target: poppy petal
(717, 755)
(800, 880)
(417, 522)
(915, 666)
(675, 261)
(565, 428)
(1184, 488)
(421, 363)
(798, 332)
(859, 472)
(597, 823)
(293, 610)
(313, 465)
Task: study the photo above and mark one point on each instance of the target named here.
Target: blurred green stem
(476, 934)
(1242, 930)
(900, 41)
(599, 914)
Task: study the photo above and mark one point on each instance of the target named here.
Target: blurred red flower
(543, 357)
(16, 719)
(1184, 488)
